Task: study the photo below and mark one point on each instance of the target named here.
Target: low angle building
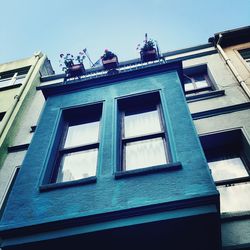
(150, 153)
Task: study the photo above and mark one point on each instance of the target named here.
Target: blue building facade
(145, 184)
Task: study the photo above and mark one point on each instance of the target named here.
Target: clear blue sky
(59, 26)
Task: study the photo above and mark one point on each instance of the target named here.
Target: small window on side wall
(79, 144)
(13, 77)
(245, 54)
(197, 80)
(228, 156)
(142, 133)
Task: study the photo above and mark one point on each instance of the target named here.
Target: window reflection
(227, 169)
(82, 134)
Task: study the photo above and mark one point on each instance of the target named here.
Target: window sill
(232, 216)
(148, 170)
(52, 186)
(10, 87)
(204, 96)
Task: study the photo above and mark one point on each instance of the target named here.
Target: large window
(197, 80)
(79, 144)
(142, 134)
(228, 155)
(13, 77)
(245, 53)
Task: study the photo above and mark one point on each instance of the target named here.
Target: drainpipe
(232, 68)
(9, 113)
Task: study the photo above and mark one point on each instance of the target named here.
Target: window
(143, 138)
(13, 77)
(228, 155)
(79, 144)
(197, 80)
(2, 116)
(245, 53)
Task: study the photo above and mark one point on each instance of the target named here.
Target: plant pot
(149, 55)
(110, 63)
(75, 70)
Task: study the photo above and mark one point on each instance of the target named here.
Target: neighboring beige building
(234, 47)
(18, 81)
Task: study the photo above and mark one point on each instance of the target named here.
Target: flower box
(75, 70)
(110, 63)
(148, 55)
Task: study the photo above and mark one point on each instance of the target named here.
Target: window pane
(227, 169)
(200, 81)
(141, 123)
(6, 82)
(77, 165)
(235, 198)
(189, 86)
(245, 53)
(144, 153)
(82, 134)
(19, 80)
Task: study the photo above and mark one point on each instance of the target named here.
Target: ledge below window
(10, 87)
(204, 96)
(148, 170)
(52, 186)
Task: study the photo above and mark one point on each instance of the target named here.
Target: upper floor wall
(110, 188)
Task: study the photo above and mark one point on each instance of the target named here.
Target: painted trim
(205, 96)
(221, 111)
(148, 170)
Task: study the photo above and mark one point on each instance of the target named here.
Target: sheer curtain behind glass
(142, 151)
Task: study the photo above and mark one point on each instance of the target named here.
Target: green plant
(148, 45)
(108, 55)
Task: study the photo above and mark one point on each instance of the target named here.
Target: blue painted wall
(27, 205)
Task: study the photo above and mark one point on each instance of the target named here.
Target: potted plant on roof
(148, 52)
(73, 65)
(109, 60)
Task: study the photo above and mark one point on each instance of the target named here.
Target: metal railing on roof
(123, 67)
